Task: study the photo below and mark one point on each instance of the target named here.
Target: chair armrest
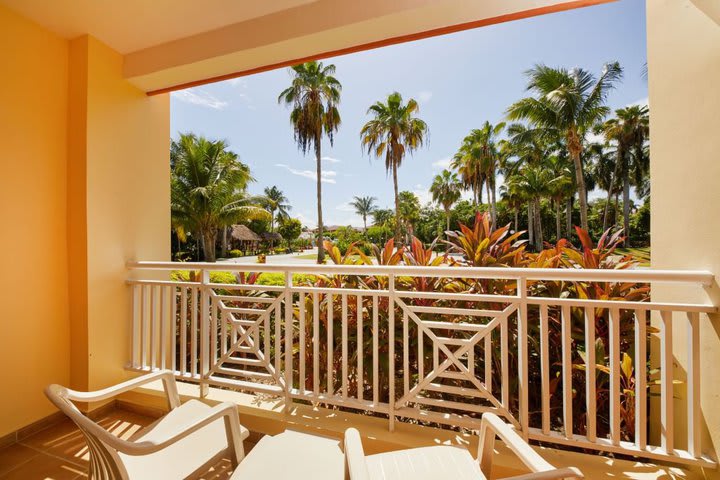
(355, 466)
(556, 474)
(235, 432)
(491, 426)
(166, 376)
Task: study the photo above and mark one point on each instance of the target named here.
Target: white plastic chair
(192, 436)
(441, 462)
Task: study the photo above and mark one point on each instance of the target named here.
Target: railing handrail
(702, 277)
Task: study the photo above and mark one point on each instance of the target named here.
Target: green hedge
(267, 278)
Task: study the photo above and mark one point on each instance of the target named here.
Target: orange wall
(34, 325)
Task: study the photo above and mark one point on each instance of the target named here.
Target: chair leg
(234, 440)
(486, 449)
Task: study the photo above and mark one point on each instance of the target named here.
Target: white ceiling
(131, 25)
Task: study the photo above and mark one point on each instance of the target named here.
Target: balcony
(431, 348)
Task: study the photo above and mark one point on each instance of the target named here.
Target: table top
(293, 455)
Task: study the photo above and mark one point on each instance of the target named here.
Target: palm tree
(409, 213)
(603, 169)
(394, 131)
(560, 187)
(276, 201)
(477, 161)
(207, 190)
(446, 189)
(567, 103)
(314, 96)
(364, 206)
(629, 130)
(532, 183)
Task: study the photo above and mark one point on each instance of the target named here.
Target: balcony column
(684, 74)
(118, 204)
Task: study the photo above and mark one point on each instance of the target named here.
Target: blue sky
(460, 80)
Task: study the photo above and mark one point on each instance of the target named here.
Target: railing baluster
(566, 331)
(504, 364)
(545, 368)
(173, 328)
(266, 337)
(391, 350)
(145, 322)
(163, 326)
(614, 333)
(420, 355)
(640, 379)
(183, 330)
(359, 347)
(590, 367)
(376, 366)
(666, 384)
(154, 321)
(193, 330)
(204, 332)
(278, 338)
(330, 347)
(488, 362)
(344, 347)
(213, 330)
(523, 359)
(289, 334)
(136, 325)
(693, 386)
(301, 359)
(406, 355)
(316, 344)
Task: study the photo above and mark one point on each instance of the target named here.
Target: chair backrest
(105, 463)
(355, 463)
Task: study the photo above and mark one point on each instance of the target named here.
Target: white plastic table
(293, 455)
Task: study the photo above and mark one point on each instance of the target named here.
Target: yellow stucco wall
(684, 80)
(34, 326)
(85, 189)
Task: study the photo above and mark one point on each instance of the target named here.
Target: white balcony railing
(440, 345)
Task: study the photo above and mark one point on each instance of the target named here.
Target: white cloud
(345, 207)
(330, 159)
(424, 96)
(642, 102)
(306, 221)
(423, 194)
(442, 163)
(326, 176)
(200, 97)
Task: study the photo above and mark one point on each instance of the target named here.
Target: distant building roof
(244, 234)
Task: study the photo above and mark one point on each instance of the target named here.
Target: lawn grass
(308, 256)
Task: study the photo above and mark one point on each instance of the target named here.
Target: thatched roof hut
(244, 234)
(272, 237)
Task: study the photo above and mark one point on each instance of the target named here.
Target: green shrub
(278, 279)
(235, 253)
(215, 277)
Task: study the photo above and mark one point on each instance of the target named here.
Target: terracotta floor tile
(14, 455)
(63, 440)
(44, 467)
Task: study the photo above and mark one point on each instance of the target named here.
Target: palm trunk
(365, 223)
(517, 212)
(626, 210)
(397, 206)
(558, 220)
(582, 191)
(531, 224)
(318, 167)
(568, 215)
(493, 200)
(615, 210)
(208, 237)
(224, 247)
(538, 220)
(447, 220)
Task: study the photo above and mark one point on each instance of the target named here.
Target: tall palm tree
(446, 189)
(276, 204)
(394, 131)
(314, 96)
(560, 187)
(207, 190)
(477, 161)
(604, 171)
(532, 183)
(567, 103)
(364, 206)
(629, 129)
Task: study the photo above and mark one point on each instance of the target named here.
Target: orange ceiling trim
(390, 41)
